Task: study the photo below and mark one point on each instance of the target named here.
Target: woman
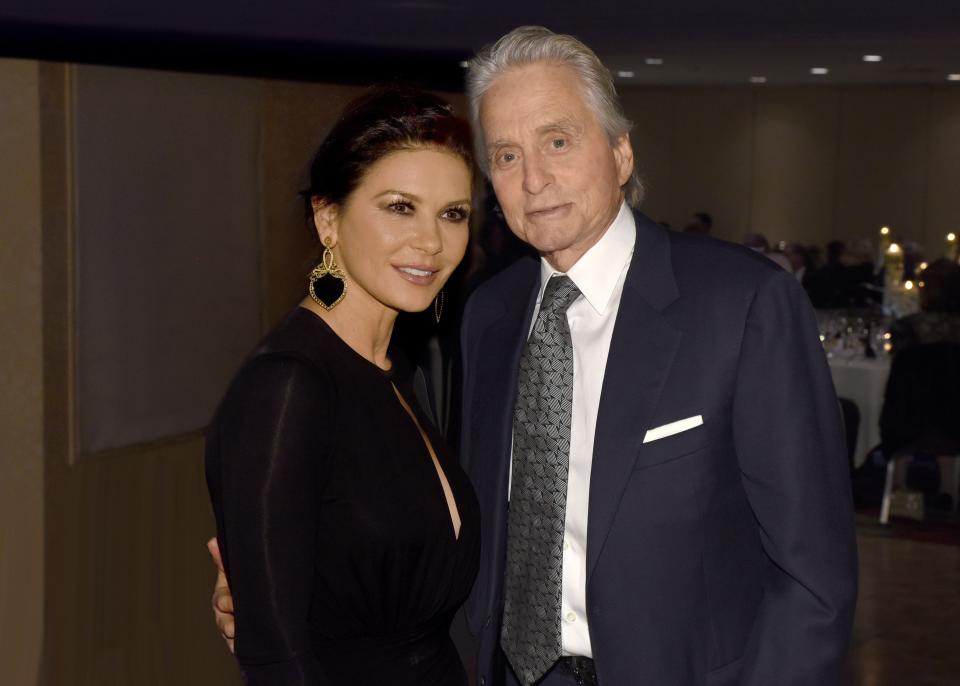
(348, 535)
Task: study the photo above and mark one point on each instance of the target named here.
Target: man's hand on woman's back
(222, 601)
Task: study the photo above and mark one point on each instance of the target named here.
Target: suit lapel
(641, 354)
(501, 336)
(498, 360)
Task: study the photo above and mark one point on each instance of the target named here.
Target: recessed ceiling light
(654, 61)
(953, 77)
(819, 71)
(758, 79)
(873, 58)
(625, 74)
(464, 64)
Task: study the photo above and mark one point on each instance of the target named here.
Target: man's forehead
(533, 99)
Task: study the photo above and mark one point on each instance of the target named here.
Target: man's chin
(546, 240)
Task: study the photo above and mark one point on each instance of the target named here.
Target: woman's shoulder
(300, 336)
(288, 364)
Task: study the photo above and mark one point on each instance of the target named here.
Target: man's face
(556, 176)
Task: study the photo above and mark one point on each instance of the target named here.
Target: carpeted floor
(937, 527)
(908, 614)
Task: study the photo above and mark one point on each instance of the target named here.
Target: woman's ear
(325, 220)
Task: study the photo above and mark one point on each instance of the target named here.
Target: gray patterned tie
(530, 635)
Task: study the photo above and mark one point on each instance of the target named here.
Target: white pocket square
(672, 428)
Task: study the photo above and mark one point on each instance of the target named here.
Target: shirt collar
(597, 272)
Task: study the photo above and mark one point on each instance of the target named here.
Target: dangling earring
(438, 306)
(328, 286)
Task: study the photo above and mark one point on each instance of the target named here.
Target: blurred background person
(939, 317)
(702, 222)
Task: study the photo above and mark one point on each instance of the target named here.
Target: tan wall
(803, 164)
(21, 371)
(128, 581)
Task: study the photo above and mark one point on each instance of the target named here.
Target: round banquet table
(863, 381)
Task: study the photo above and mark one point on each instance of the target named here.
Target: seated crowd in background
(849, 277)
(938, 320)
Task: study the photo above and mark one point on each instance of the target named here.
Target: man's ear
(325, 220)
(623, 157)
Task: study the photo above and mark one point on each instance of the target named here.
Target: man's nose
(536, 176)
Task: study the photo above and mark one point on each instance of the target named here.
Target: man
(797, 255)
(648, 420)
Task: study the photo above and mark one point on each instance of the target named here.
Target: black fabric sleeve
(265, 476)
(790, 445)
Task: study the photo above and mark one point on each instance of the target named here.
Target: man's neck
(563, 260)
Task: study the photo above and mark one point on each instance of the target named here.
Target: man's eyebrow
(497, 144)
(566, 125)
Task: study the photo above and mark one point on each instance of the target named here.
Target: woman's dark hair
(386, 119)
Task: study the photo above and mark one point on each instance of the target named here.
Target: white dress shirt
(600, 275)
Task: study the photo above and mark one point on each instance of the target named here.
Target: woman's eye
(507, 157)
(455, 214)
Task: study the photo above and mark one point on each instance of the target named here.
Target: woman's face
(403, 230)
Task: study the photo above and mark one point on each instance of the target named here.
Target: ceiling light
(654, 61)
(625, 74)
(758, 79)
(819, 71)
(872, 58)
(953, 77)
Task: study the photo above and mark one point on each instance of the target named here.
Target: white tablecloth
(863, 381)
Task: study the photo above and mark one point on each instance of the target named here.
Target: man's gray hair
(530, 44)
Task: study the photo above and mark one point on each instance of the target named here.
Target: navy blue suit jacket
(724, 554)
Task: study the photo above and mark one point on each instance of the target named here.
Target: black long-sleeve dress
(335, 532)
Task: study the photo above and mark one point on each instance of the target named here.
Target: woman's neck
(365, 327)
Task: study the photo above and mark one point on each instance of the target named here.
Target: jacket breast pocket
(672, 447)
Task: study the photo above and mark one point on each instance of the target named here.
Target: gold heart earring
(328, 285)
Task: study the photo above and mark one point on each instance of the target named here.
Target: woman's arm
(264, 458)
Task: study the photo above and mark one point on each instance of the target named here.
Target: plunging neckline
(453, 510)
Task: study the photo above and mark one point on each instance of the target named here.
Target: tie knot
(559, 294)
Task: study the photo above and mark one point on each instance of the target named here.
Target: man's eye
(559, 143)
(401, 207)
